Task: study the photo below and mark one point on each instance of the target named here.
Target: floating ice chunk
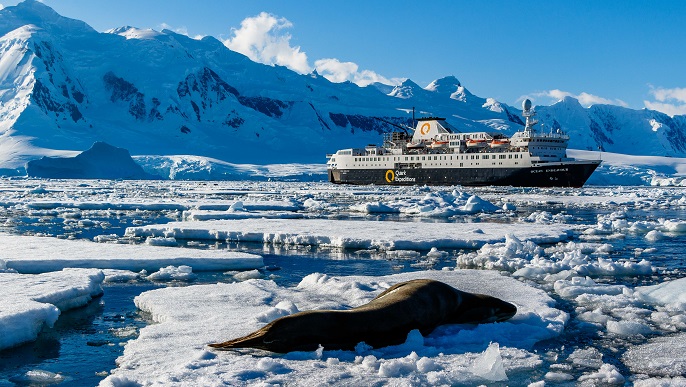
(490, 364)
(124, 332)
(628, 328)
(654, 236)
(38, 377)
(395, 368)
(248, 274)
(433, 204)
(607, 374)
(435, 253)
(557, 377)
(403, 254)
(586, 357)
(314, 204)
(476, 204)
(511, 255)
(545, 217)
(674, 226)
(595, 316)
(509, 207)
(426, 364)
(38, 190)
(374, 208)
(641, 227)
(106, 238)
(236, 207)
(87, 223)
(173, 273)
(161, 241)
(579, 285)
(670, 293)
(114, 275)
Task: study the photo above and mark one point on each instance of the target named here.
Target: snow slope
(64, 86)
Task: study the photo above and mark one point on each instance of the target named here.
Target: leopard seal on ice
(421, 304)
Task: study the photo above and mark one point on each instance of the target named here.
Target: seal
(422, 304)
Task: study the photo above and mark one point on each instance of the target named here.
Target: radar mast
(529, 114)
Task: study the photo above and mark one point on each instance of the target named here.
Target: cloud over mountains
(265, 39)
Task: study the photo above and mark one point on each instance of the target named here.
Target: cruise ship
(436, 153)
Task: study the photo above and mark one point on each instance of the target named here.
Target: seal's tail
(253, 340)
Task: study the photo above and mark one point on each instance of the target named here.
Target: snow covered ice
(31, 254)
(28, 302)
(450, 355)
(596, 293)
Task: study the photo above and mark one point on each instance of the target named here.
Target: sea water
(83, 345)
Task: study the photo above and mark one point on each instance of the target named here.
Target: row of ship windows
(417, 158)
(546, 140)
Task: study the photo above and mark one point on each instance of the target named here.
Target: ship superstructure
(438, 154)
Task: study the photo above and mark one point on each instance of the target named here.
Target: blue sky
(628, 53)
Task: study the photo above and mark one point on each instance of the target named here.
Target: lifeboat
(416, 145)
(476, 143)
(500, 143)
(438, 144)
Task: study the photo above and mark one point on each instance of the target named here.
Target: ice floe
(31, 254)
(190, 317)
(354, 234)
(30, 302)
(433, 204)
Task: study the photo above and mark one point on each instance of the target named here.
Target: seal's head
(480, 308)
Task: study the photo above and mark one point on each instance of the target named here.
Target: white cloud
(662, 94)
(262, 38)
(667, 108)
(584, 98)
(669, 101)
(336, 71)
(2, 6)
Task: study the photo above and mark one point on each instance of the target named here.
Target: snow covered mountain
(64, 86)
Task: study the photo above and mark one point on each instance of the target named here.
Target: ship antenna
(529, 114)
(414, 122)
